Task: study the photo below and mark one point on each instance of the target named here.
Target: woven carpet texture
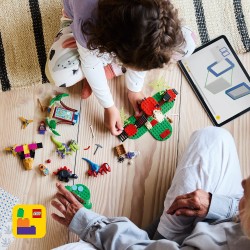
(27, 30)
(28, 27)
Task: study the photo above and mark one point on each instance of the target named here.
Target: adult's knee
(213, 134)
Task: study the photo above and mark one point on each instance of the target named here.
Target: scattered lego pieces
(42, 108)
(63, 149)
(81, 193)
(132, 155)
(95, 169)
(48, 161)
(120, 150)
(87, 148)
(97, 146)
(43, 169)
(42, 128)
(26, 153)
(122, 154)
(92, 131)
(124, 117)
(169, 120)
(121, 159)
(64, 174)
(159, 85)
(60, 114)
(25, 122)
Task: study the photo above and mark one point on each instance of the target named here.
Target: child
(115, 37)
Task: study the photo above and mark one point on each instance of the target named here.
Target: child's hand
(135, 98)
(112, 120)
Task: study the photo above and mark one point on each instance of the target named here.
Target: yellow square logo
(29, 221)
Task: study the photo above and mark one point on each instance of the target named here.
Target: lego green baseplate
(156, 130)
(83, 192)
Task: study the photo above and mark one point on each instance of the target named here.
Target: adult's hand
(68, 205)
(196, 203)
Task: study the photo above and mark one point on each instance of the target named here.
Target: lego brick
(26, 230)
(130, 129)
(149, 105)
(153, 122)
(23, 222)
(165, 134)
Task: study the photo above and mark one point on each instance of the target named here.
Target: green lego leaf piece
(55, 132)
(83, 192)
(52, 126)
(159, 85)
(57, 98)
(124, 117)
(20, 213)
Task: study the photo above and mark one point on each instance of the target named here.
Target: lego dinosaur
(63, 149)
(95, 169)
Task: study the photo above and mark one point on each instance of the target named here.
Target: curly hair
(142, 34)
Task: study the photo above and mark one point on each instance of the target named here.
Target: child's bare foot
(86, 89)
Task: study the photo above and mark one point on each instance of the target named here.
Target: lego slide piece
(23, 222)
(83, 194)
(26, 230)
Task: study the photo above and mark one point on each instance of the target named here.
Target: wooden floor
(136, 191)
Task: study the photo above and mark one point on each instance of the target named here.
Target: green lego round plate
(83, 192)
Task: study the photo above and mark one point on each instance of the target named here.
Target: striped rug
(27, 30)
(28, 27)
(211, 18)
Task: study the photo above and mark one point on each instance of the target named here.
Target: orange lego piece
(23, 222)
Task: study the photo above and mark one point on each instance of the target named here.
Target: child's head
(143, 34)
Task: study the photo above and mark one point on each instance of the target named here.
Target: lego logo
(37, 213)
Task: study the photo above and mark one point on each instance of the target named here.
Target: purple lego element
(26, 230)
(19, 149)
(33, 146)
(26, 155)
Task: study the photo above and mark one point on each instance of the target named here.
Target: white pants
(80, 245)
(211, 163)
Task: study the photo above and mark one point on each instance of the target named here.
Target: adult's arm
(114, 233)
(205, 205)
(223, 207)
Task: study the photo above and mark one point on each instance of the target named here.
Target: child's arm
(92, 67)
(135, 80)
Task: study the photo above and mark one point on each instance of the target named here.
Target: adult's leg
(211, 163)
(76, 246)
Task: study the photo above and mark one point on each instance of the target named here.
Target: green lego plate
(158, 128)
(83, 192)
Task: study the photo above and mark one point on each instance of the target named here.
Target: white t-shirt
(93, 64)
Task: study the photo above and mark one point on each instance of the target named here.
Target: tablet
(219, 80)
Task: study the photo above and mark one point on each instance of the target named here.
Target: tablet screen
(219, 80)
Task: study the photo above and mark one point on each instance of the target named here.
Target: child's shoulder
(79, 8)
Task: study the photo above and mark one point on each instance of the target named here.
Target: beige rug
(212, 18)
(28, 27)
(27, 30)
